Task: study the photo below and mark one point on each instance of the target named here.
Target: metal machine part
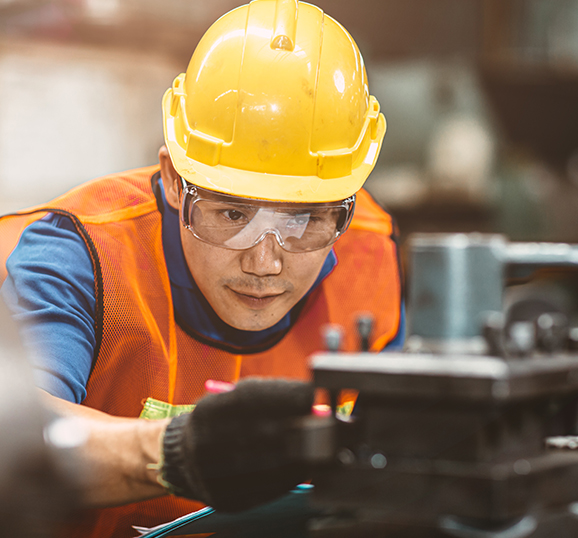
(452, 441)
(458, 281)
(437, 437)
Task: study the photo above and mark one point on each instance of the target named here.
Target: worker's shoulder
(370, 216)
(115, 196)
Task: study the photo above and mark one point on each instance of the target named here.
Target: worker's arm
(119, 455)
(230, 452)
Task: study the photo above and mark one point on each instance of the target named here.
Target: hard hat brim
(267, 186)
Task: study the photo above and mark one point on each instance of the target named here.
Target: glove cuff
(174, 469)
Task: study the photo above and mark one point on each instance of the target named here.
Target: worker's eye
(299, 220)
(234, 215)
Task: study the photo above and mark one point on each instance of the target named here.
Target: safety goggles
(241, 223)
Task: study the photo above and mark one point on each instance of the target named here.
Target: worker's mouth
(254, 301)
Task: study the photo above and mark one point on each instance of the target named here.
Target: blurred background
(481, 98)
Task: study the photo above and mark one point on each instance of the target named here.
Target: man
(269, 137)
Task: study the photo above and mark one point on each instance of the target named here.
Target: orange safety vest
(142, 352)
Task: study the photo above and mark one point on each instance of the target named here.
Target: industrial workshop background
(481, 98)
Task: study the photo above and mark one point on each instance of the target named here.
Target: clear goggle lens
(233, 223)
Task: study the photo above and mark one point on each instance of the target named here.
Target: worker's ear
(171, 179)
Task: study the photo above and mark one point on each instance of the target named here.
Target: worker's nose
(264, 259)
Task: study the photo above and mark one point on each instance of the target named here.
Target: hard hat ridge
(285, 25)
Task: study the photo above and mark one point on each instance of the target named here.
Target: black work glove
(231, 451)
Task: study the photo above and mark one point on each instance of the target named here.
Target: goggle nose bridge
(265, 233)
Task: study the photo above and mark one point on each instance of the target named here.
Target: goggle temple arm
(350, 211)
(186, 190)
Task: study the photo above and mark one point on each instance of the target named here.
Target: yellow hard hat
(274, 105)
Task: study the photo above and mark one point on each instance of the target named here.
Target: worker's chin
(253, 322)
(248, 319)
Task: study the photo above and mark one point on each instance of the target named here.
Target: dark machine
(469, 434)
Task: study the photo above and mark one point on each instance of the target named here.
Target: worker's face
(248, 289)
(251, 289)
